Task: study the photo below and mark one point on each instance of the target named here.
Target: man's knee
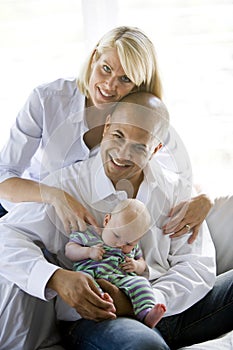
(122, 333)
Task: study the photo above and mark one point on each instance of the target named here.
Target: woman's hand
(73, 214)
(188, 216)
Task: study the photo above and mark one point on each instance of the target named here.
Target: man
(181, 274)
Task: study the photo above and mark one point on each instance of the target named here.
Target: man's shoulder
(163, 175)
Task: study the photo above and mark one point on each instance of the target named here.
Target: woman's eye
(125, 79)
(106, 68)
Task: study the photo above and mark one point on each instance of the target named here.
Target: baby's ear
(106, 219)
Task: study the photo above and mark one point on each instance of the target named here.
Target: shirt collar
(149, 182)
(101, 185)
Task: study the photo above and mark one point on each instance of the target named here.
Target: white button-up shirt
(48, 135)
(180, 273)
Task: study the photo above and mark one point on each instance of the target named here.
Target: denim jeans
(207, 319)
(211, 317)
(120, 334)
(2, 211)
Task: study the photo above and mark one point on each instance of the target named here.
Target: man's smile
(120, 163)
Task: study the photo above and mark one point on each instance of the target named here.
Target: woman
(52, 131)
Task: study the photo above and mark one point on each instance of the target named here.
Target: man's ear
(157, 148)
(107, 124)
(106, 219)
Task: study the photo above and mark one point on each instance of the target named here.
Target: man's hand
(187, 217)
(80, 292)
(121, 301)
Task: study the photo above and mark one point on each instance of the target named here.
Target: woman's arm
(72, 213)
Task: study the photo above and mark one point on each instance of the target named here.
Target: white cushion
(220, 222)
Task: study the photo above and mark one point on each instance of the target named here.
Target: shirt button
(122, 195)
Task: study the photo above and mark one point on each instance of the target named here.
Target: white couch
(220, 222)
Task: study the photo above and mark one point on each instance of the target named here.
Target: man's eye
(117, 136)
(106, 68)
(140, 149)
(125, 79)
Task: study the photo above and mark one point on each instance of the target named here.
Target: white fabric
(48, 135)
(220, 223)
(26, 323)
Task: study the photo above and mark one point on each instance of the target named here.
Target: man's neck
(131, 186)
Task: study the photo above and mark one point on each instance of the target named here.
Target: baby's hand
(130, 265)
(96, 252)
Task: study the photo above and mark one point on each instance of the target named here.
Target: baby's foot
(154, 315)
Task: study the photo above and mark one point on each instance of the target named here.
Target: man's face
(125, 149)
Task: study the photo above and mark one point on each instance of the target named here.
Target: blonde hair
(137, 56)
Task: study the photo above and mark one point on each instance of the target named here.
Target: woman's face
(108, 81)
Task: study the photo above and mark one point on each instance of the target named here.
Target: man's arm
(23, 263)
(190, 274)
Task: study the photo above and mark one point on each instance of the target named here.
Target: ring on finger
(188, 227)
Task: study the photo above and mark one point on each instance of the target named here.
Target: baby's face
(121, 234)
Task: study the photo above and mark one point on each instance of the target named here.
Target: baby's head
(126, 224)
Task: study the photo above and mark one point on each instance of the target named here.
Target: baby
(116, 257)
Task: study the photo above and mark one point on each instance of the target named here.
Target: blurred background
(42, 40)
